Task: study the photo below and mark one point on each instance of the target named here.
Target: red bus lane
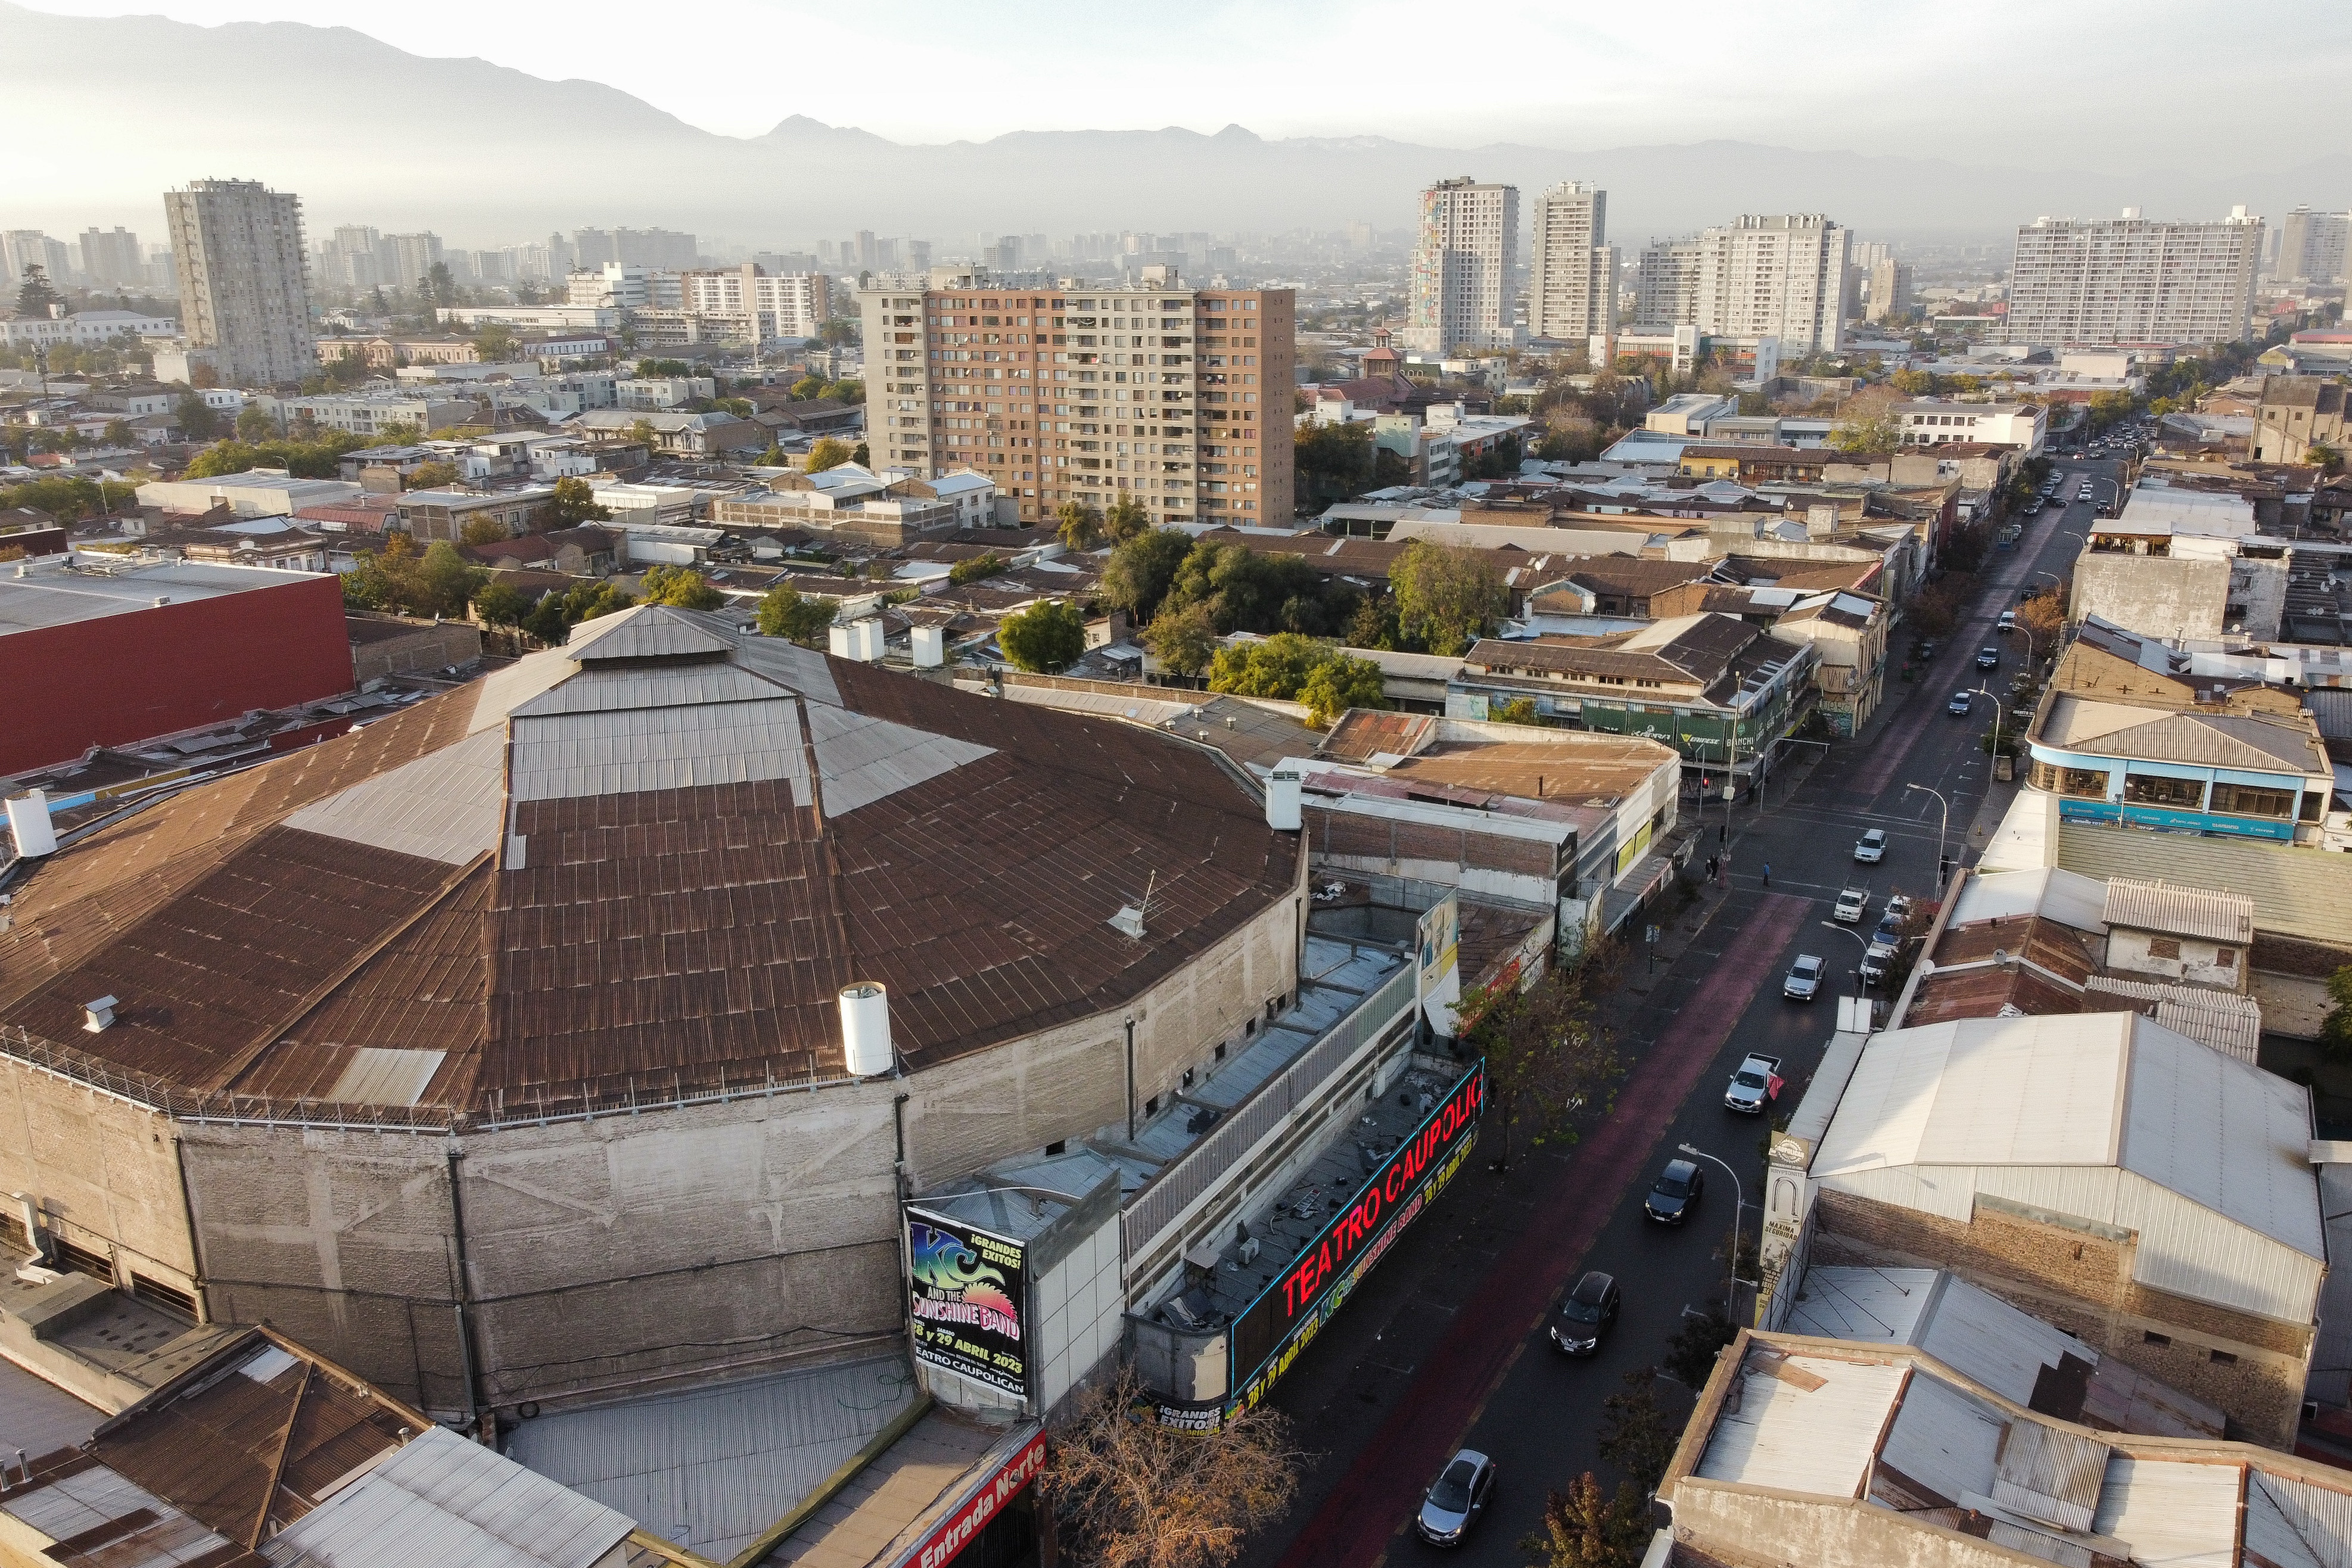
(1353, 1525)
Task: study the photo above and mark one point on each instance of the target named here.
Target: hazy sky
(2094, 84)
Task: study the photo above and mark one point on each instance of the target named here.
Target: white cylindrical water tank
(867, 643)
(838, 639)
(28, 820)
(865, 1028)
(929, 645)
(1282, 799)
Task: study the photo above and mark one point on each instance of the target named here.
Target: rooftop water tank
(865, 1028)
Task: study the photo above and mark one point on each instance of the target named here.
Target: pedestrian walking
(1768, 873)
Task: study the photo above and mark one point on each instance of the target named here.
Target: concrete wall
(1765, 1528)
(608, 1255)
(2292, 1005)
(2081, 1281)
(105, 1173)
(2193, 960)
(2155, 595)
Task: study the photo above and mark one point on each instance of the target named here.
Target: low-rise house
(429, 516)
(852, 500)
(705, 436)
(257, 492)
(2297, 412)
(1930, 421)
(584, 551)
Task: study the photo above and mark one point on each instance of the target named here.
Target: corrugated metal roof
(1882, 1305)
(2224, 1020)
(2223, 1134)
(2295, 1524)
(444, 807)
(2206, 913)
(380, 1077)
(1983, 1338)
(2051, 1474)
(711, 1467)
(643, 631)
(443, 1499)
(2174, 1515)
(2067, 897)
(1815, 1439)
(1944, 1439)
(860, 760)
(98, 1497)
(631, 751)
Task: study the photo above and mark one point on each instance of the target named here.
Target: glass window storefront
(2083, 783)
(2154, 789)
(2248, 800)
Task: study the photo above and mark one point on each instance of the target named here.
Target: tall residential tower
(245, 288)
(1176, 397)
(2132, 279)
(1572, 276)
(1462, 268)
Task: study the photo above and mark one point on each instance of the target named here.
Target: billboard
(1438, 953)
(966, 1290)
(1272, 1330)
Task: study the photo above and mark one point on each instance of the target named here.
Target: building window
(2151, 1337)
(2083, 783)
(2221, 1358)
(1151, 1106)
(2249, 800)
(2163, 947)
(2225, 958)
(2155, 789)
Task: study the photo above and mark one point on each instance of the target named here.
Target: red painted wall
(124, 678)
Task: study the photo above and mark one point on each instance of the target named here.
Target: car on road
(1455, 1500)
(1586, 1314)
(1804, 979)
(1755, 1084)
(1987, 657)
(1675, 1191)
(1899, 910)
(1851, 904)
(2007, 622)
(1871, 848)
(1960, 703)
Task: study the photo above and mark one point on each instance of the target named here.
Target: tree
(199, 420)
(434, 477)
(808, 387)
(1334, 461)
(1081, 525)
(1126, 520)
(117, 433)
(2335, 1029)
(786, 612)
(1339, 683)
(1446, 597)
(34, 294)
(1141, 569)
(445, 581)
(1867, 434)
(575, 502)
(861, 455)
(1635, 1435)
(1275, 667)
(1547, 1055)
(497, 605)
(827, 453)
(846, 391)
(1513, 710)
(482, 531)
(1184, 639)
(1585, 1528)
(962, 571)
(2325, 458)
(399, 432)
(497, 343)
(1135, 1494)
(253, 425)
(1044, 637)
(1691, 1353)
(557, 614)
(682, 587)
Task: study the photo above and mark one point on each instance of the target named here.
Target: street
(1445, 1346)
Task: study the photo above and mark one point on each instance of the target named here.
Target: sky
(2084, 84)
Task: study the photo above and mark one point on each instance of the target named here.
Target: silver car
(1456, 1499)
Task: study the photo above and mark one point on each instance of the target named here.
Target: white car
(1871, 848)
(1804, 981)
(1852, 904)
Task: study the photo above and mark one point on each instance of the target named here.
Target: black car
(1456, 1499)
(1988, 658)
(1586, 1314)
(1675, 1191)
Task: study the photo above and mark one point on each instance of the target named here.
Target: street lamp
(1859, 992)
(1943, 821)
(1738, 1224)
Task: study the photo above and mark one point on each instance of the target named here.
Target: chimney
(99, 1016)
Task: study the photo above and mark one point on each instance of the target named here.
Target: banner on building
(1438, 956)
(964, 1526)
(966, 1288)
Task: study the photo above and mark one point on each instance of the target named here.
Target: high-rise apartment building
(2313, 245)
(2132, 279)
(1572, 271)
(1462, 268)
(23, 247)
(1176, 396)
(1886, 289)
(410, 257)
(1783, 277)
(792, 306)
(112, 260)
(1665, 285)
(244, 286)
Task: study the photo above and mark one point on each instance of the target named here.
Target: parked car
(1675, 1191)
(1586, 1314)
(1899, 910)
(1804, 981)
(1987, 657)
(1455, 1500)
(1960, 703)
(1851, 904)
(1755, 1084)
(1871, 848)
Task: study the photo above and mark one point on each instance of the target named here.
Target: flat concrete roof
(49, 595)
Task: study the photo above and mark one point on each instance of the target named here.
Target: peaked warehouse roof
(655, 853)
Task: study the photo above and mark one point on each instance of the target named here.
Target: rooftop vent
(161, 599)
(865, 1028)
(1128, 921)
(99, 1016)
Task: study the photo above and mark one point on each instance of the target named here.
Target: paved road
(1443, 1346)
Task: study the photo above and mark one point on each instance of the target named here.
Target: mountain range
(127, 106)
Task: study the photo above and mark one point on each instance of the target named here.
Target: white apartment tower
(767, 305)
(2131, 279)
(1780, 276)
(1665, 285)
(1462, 268)
(2312, 247)
(1572, 275)
(244, 286)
